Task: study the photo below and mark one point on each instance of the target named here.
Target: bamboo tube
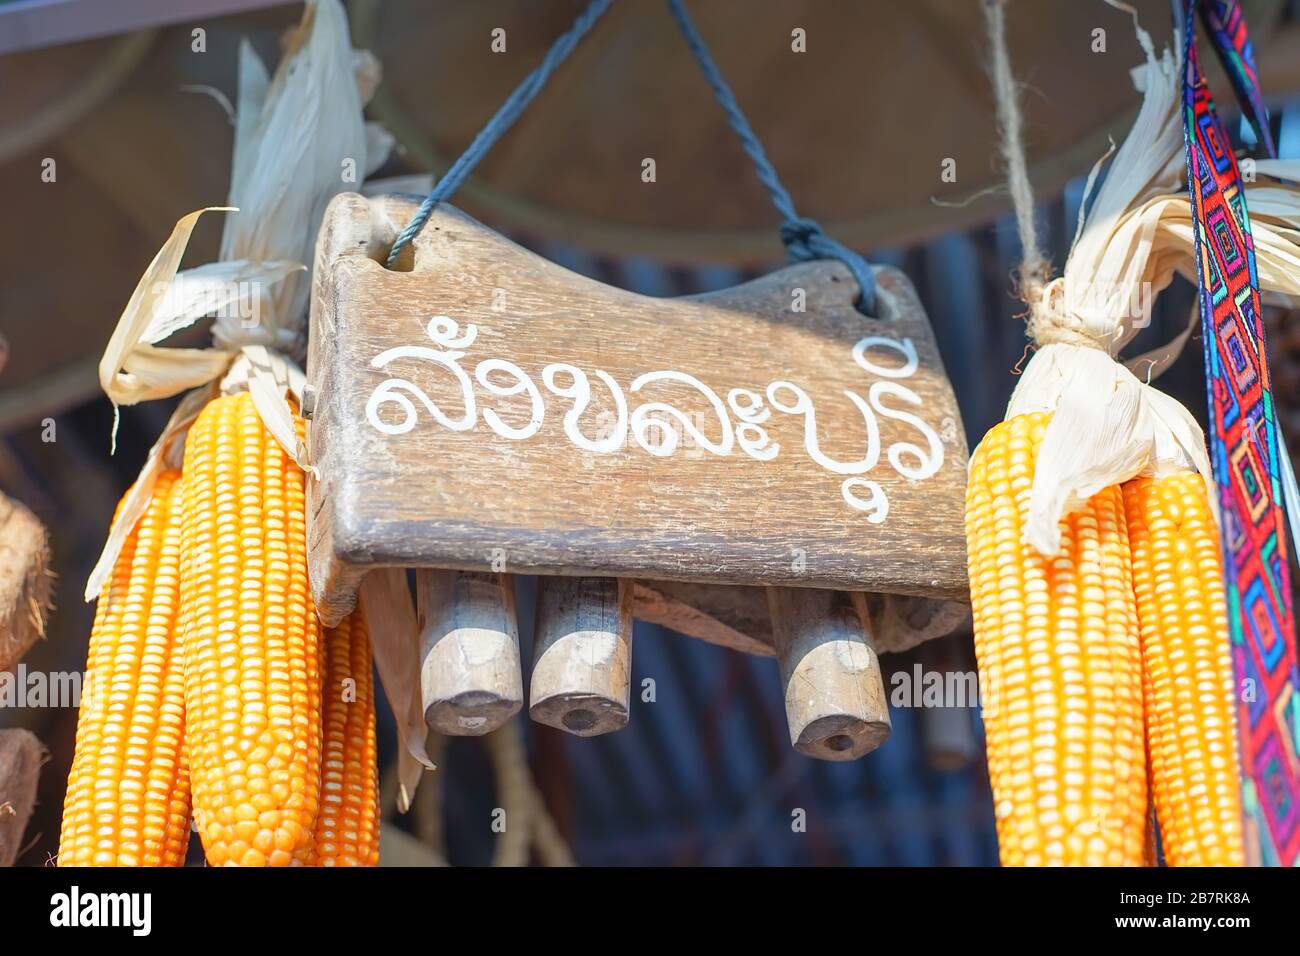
(948, 737)
(470, 679)
(830, 673)
(582, 668)
(948, 732)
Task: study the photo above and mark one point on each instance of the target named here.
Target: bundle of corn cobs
(212, 692)
(1109, 660)
(1100, 612)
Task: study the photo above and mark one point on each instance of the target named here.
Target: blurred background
(130, 103)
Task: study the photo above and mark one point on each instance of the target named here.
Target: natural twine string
(529, 825)
(1045, 325)
(1033, 266)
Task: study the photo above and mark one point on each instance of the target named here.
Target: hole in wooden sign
(405, 259)
(886, 309)
(839, 743)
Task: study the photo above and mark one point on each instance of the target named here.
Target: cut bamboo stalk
(470, 679)
(830, 673)
(582, 667)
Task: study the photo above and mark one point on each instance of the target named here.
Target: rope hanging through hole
(804, 239)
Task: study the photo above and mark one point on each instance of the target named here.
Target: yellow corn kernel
(1187, 661)
(252, 643)
(1060, 674)
(128, 796)
(347, 828)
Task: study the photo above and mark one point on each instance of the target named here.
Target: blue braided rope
(497, 126)
(803, 238)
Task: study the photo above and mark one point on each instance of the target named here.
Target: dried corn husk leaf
(1109, 425)
(296, 136)
(128, 372)
(1115, 258)
(385, 600)
(293, 149)
(214, 288)
(1274, 209)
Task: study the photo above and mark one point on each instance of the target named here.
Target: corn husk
(385, 600)
(297, 136)
(1109, 424)
(293, 135)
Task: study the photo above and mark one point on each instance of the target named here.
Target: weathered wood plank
(488, 405)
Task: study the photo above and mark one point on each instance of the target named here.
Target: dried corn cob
(252, 641)
(1057, 645)
(347, 828)
(1186, 655)
(128, 796)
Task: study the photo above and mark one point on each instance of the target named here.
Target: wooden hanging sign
(482, 408)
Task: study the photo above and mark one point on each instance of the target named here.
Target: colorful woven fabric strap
(1244, 441)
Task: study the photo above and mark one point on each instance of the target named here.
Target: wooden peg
(470, 679)
(830, 672)
(582, 668)
(948, 732)
(948, 737)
